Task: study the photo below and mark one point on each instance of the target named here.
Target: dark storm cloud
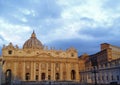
(80, 45)
(103, 32)
(99, 32)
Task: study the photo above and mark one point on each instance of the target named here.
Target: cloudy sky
(83, 24)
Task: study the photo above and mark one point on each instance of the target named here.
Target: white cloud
(92, 9)
(20, 17)
(61, 22)
(12, 32)
(72, 23)
(27, 11)
(65, 32)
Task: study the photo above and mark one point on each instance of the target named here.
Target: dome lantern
(33, 35)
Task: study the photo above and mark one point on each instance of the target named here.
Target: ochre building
(34, 62)
(105, 64)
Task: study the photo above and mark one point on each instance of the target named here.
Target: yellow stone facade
(35, 62)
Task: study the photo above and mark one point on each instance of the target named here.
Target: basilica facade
(35, 62)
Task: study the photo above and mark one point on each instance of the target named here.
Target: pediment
(44, 55)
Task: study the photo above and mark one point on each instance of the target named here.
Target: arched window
(8, 76)
(57, 76)
(10, 52)
(27, 76)
(73, 75)
(72, 54)
(43, 76)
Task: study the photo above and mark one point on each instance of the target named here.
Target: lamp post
(94, 65)
(95, 71)
(0, 73)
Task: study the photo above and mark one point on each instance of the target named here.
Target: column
(52, 71)
(46, 72)
(0, 73)
(77, 72)
(23, 75)
(68, 71)
(39, 71)
(61, 71)
(16, 69)
(15, 72)
(32, 71)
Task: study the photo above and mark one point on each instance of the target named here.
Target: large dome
(33, 43)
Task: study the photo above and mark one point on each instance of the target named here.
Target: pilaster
(39, 71)
(77, 73)
(68, 72)
(46, 76)
(32, 71)
(61, 71)
(23, 73)
(15, 70)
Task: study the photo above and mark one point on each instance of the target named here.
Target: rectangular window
(27, 76)
(49, 77)
(103, 78)
(118, 77)
(36, 77)
(98, 78)
(107, 77)
(112, 77)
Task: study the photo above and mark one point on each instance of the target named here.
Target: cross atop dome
(33, 35)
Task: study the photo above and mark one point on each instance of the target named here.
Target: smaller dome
(33, 43)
